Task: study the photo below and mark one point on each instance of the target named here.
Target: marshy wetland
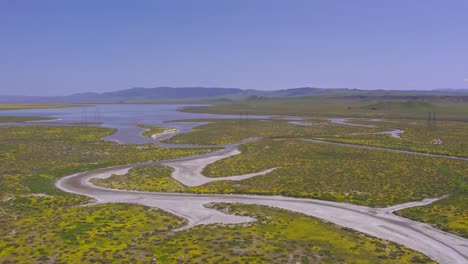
(44, 223)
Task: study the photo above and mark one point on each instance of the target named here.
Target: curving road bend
(378, 222)
(189, 172)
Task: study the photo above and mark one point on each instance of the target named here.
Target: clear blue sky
(62, 47)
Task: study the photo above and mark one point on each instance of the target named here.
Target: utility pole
(431, 120)
(97, 115)
(84, 116)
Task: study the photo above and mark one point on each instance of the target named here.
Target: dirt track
(379, 222)
(189, 172)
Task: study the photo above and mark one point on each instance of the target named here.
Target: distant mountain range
(452, 90)
(171, 94)
(132, 94)
(140, 94)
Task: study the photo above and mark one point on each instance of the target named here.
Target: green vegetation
(414, 107)
(450, 214)
(419, 136)
(150, 178)
(30, 106)
(224, 131)
(372, 177)
(34, 214)
(33, 156)
(20, 119)
(439, 137)
(329, 172)
(43, 224)
(151, 130)
(375, 178)
(367, 177)
(120, 233)
(279, 237)
(38, 229)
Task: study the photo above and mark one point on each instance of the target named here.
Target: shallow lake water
(122, 117)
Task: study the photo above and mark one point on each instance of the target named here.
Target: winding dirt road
(379, 222)
(189, 172)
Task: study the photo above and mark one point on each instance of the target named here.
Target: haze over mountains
(140, 94)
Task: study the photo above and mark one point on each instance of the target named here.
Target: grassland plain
(20, 119)
(43, 230)
(30, 106)
(41, 224)
(120, 233)
(32, 158)
(225, 131)
(375, 178)
(453, 108)
(151, 130)
(280, 237)
(439, 137)
(419, 136)
(329, 172)
(449, 215)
